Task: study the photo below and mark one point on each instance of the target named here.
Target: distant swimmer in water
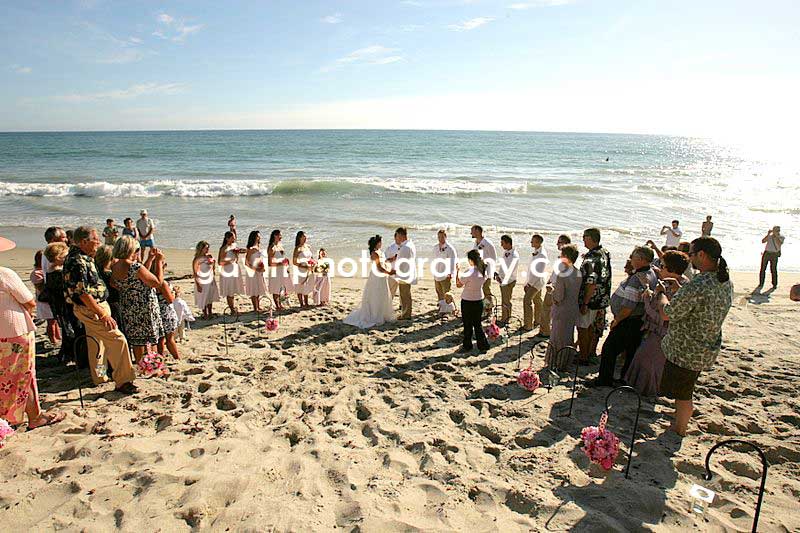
(606, 160)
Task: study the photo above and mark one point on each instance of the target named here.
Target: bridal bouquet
(600, 445)
(152, 364)
(5, 431)
(321, 268)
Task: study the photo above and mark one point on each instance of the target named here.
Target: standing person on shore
(88, 293)
(506, 276)
(705, 229)
(128, 230)
(230, 277)
(443, 266)
(405, 267)
(772, 251)
(532, 303)
(53, 234)
(43, 310)
(138, 304)
(376, 303)
(696, 314)
(146, 228)
(565, 307)
(232, 227)
(206, 291)
(322, 287)
(303, 261)
(279, 279)
(472, 281)
(110, 232)
(488, 254)
(627, 305)
(673, 234)
(255, 282)
(595, 294)
(19, 392)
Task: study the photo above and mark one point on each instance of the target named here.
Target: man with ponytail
(695, 315)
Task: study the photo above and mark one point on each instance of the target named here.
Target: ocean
(341, 187)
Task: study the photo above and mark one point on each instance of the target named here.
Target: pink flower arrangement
(528, 379)
(492, 331)
(152, 364)
(311, 263)
(271, 324)
(600, 445)
(5, 431)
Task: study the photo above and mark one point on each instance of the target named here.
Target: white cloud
(471, 24)
(370, 55)
(332, 19)
(134, 91)
(540, 3)
(19, 69)
(411, 3)
(174, 29)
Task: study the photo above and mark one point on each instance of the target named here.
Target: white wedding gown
(376, 302)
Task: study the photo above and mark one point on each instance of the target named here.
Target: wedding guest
(146, 228)
(70, 327)
(644, 373)
(564, 314)
(255, 282)
(53, 234)
(232, 227)
(19, 392)
(230, 278)
(443, 265)
(303, 261)
(547, 300)
(772, 251)
(43, 310)
(628, 309)
(138, 304)
(595, 294)
(705, 229)
(183, 313)
(695, 315)
(279, 279)
(110, 232)
(673, 234)
(506, 276)
(165, 294)
(489, 256)
(405, 271)
(88, 293)
(534, 287)
(322, 288)
(205, 283)
(562, 241)
(70, 240)
(472, 282)
(103, 258)
(128, 230)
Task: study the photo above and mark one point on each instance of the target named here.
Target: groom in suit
(406, 268)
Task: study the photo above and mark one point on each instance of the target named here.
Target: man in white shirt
(673, 234)
(146, 228)
(489, 256)
(443, 265)
(391, 256)
(406, 268)
(507, 275)
(534, 287)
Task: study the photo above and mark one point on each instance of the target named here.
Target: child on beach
(43, 311)
(322, 287)
(184, 313)
(232, 226)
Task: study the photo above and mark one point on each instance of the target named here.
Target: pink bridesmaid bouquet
(5, 431)
(271, 324)
(600, 445)
(152, 364)
(528, 379)
(492, 331)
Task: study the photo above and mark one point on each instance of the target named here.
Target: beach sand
(322, 427)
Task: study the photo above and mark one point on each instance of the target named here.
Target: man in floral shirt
(695, 315)
(595, 294)
(88, 293)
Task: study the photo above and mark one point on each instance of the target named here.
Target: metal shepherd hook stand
(75, 351)
(574, 377)
(635, 423)
(261, 314)
(764, 464)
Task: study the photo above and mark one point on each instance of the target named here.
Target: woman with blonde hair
(205, 284)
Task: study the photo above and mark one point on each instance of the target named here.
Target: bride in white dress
(376, 301)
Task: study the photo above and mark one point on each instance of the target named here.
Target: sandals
(127, 388)
(48, 420)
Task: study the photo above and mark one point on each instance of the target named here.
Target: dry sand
(322, 427)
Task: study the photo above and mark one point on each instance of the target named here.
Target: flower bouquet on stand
(492, 331)
(152, 364)
(600, 445)
(271, 323)
(528, 379)
(5, 431)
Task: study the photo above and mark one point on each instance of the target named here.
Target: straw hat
(6, 244)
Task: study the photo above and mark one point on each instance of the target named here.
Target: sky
(700, 67)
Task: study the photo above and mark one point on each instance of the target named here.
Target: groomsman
(507, 275)
(406, 267)
(532, 304)
(444, 268)
(489, 256)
